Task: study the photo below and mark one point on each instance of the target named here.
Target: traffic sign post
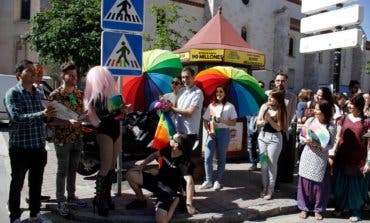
(339, 20)
(121, 46)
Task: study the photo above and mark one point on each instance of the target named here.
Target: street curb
(269, 209)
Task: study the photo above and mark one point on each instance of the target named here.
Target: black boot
(108, 189)
(100, 200)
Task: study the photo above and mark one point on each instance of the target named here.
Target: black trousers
(21, 161)
(286, 160)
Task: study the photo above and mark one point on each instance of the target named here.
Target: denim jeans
(68, 156)
(219, 143)
(21, 161)
(271, 143)
(252, 147)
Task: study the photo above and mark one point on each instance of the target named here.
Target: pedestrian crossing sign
(122, 53)
(123, 15)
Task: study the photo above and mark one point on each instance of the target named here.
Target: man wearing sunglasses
(173, 96)
(67, 139)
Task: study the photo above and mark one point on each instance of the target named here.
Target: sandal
(303, 215)
(263, 193)
(191, 209)
(318, 216)
(268, 196)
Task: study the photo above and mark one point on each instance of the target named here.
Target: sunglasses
(176, 82)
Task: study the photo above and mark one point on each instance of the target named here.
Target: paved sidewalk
(237, 201)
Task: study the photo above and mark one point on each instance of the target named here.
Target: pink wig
(99, 84)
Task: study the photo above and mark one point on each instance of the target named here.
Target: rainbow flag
(165, 130)
(316, 133)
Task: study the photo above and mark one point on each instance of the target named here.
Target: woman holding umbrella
(217, 119)
(272, 118)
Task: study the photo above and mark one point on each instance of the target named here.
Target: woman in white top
(217, 119)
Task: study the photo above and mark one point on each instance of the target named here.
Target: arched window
(244, 33)
(291, 47)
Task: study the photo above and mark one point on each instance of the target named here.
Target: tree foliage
(167, 35)
(68, 31)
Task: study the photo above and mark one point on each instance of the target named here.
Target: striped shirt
(26, 129)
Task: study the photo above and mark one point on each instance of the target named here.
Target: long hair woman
(273, 120)
(100, 87)
(314, 177)
(351, 185)
(217, 119)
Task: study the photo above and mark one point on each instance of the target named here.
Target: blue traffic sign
(122, 53)
(123, 15)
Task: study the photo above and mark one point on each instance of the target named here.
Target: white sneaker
(39, 219)
(206, 185)
(217, 186)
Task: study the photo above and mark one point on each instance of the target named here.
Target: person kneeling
(166, 184)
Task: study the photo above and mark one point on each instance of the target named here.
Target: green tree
(166, 35)
(68, 31)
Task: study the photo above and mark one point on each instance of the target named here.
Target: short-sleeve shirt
(225, 111)
(68, 133)
(173, 169)
(192, 97)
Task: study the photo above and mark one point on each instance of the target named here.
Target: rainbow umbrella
(244, 91)
(159, 68)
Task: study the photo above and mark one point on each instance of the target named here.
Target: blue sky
(366, 22)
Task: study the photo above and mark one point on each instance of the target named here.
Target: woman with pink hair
(100, 88)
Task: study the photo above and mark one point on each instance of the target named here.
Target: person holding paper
(318, 135)
(26, 140)
(67, 139)
(103, 107)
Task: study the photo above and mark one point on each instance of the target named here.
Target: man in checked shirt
(26, 140)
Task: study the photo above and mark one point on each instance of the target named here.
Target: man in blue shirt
(26, 140)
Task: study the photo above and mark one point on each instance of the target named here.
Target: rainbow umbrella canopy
(159, 68)
(244, 91)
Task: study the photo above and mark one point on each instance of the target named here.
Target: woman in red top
(350, 184)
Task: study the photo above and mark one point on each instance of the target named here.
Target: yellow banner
(239, 57)
(184, 56)
(206, 55)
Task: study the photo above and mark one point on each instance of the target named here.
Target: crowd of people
(337, 163)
